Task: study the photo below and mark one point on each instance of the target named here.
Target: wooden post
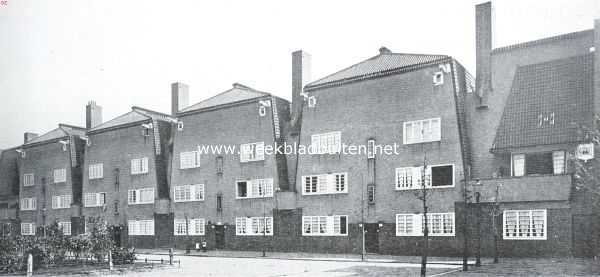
(171, 256)
(29, 265)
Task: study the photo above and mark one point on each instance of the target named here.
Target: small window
(442, 176)
(179, 125)
(371, 194)
(28, 179)
(219, 163)
(262, 110)
(538, 163)
(558, 161)
(242, 189)
(371, 149)
(139, 166)
(518, 165)
(60, 175)
(438, 78)
(252, 152)
(189, 159)
(96, 171)
(312, 101)
(219, 202)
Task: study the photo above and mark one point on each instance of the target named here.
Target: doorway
(372, 237)
(219, 236)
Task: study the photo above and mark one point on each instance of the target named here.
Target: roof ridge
(144, 110)
(344, 69)
(235, 85)
(542, 41)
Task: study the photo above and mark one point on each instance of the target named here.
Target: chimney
(483, 52)
(29, 136)
(596, 66)
(93, 115)
(300, 77)
(179, 97)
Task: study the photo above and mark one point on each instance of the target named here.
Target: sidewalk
(312, 256)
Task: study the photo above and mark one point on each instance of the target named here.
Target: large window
(253, 226)
(545, 163)
(325, 183)
(422, 131)
(186, 193)
(61, 201)
(28, 179)
(28, 204)
(336, 225)
(525, 225)
(250, 152)
(189, 159)
(141, 227)
(27, 229)
(96, 171)
(139, 166)
(65, 227)
(326, 143)
(60, 175)
(439, 224)
(196, 227)
(254, 188)
(94, 199)
(140, 196)
(435, 176)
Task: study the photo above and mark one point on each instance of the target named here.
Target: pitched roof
(383, 64)
(63, 130)
(547, 102)
(135, 115)
(237, 93)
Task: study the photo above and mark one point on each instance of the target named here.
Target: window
(336, 225)
(219, 162)
(371, 194)
(422, 131)
(28, 179)
(61, 201)
(139, 166)
(435, 176)
(312, 101)
(196, 227)
(325, 183)
(371, 149)
(252, 152)
(538, 163)
(179, 126)
(27, 229)
(253, 226)
(141, 227)
(262, 111)
(60, 175)
(327, 143)
(255, 188)
(189, 159)
(94, 199)
(65, 226)
(28, 204)
(524, 225)
(438, 78)
(96, 171)
(140, 196)
(439, 224)
(186, 193)
(219, 202)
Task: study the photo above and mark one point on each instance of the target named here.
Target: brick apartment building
(230, 199)
(125, 179)
(523, 124)
(9, 191)
(50, 179)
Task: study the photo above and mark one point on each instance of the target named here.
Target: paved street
(220, 266)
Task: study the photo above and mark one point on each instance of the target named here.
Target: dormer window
(545, 163)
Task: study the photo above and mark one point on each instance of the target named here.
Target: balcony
(525, 188)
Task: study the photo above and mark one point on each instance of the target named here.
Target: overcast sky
(57, 55)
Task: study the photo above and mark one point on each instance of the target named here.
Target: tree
(422, 194)
(587, 172)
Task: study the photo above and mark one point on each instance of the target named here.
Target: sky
(58, 55)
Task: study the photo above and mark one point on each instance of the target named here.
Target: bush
(123, 255)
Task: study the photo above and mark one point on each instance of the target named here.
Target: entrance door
(219, 236)
(372, 237)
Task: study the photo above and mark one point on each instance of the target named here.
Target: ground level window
(336, 225)
(27, 229)
(140, 227)
(253, 226)
(439, 224)
(525, 225)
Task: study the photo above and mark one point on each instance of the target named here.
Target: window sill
(146, 203)
(323, 193)
(135, 174)
(256, 197)
(433, 187)
(28, 210)
(525, 238)
(184, 168)
(421, 235)
(250, 161)
(324, 235)
(96, 206)
(61, 182)
(187, 201)
(181, 235)
(419, 142)
(61, 208)
(531, 176)
(254, 235)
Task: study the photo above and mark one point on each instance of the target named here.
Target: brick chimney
(179, 97)
(483, 51)
(29, 136)
(93, 115)
(596, 66)
(300, 77)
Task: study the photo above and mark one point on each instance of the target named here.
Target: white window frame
(326, 143)
(61, 201)
(251, 152)
(28, 179)
(188, 193)
(189, 159)
(28, 204)
(558, 157)
(96, 171)
(31, 227)
(254, 226)
(60, 175)
(326, 183)
(518, 224)
(331, 225)
(256, 188)
(417, 174)
(438, 78)
(134, 196)
(195, 226)
(413, 131)
(65, 227)
(139, 166)
(134, 227)
(97, 196)
(417, 228)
